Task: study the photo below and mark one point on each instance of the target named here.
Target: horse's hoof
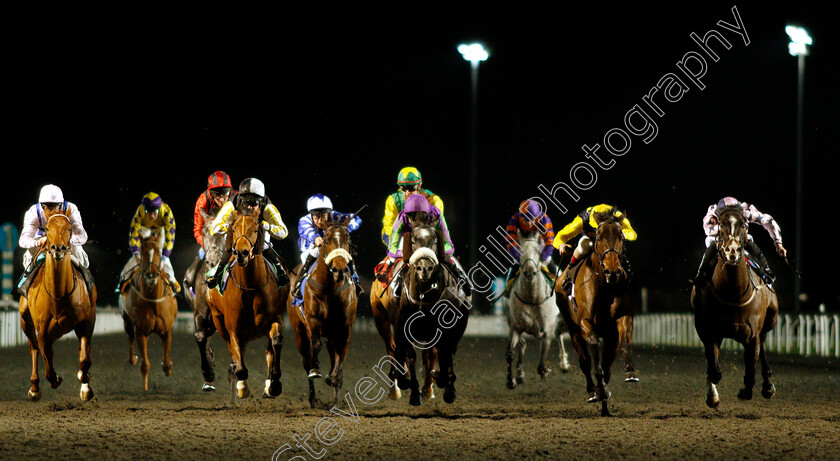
(511, 383)
(242, 390)
(592, 397)
(132, 360)
(57, 382)
(34, 396)
(631, 377)
(415, 399)
(768, 391)
(208, 387)
(428, 393)
(564, 367)
(314, 373)
(328, 381)
(745, 394)
(520, 379)
(272, 389)
(86, 393)
(395, 393)
(712, 397)
(543, 371)
(403, 383)
(449, 394)
(603, 395)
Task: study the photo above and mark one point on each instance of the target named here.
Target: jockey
(311, 230)
(33, 236)
(410, 182)
(586, 223)
(752, 216)
(152, 215)
(418, 212)
(528, 218)
(251, 200)
(208, 204)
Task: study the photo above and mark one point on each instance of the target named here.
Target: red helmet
(217, 180)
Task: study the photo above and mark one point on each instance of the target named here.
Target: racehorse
(58, 302)
(150, 307)
(250, 307)
(736, 304)
(531, 309)
(385, 308)
(600, 315)
(214, 251)
(433, 312)
(329, 310)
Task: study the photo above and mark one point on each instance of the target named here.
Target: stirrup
(296, 293)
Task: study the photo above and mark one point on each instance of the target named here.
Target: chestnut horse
(385, 308)
(214, 251)
(600, 316)
(56, 303)
(250, 306)
(150, 307)
(736, 304)
(329, 310)
(433, 313)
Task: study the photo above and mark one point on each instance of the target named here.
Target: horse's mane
(609, 216)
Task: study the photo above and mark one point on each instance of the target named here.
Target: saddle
(384, 272)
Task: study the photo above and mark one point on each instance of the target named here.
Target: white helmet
(252, 186)
(318, 202)
(51, 194)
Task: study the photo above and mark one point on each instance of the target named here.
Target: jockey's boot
(220, 270)
(509, 278)
(274, 258)
(303, 271)
(25, 279)
(87, 276)
(398, 281)
(763, 268)
(705, 266)
(359, 290)
(458, 272)
(567, 282)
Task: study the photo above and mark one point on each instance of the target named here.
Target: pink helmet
(727, 201)
(417, 203)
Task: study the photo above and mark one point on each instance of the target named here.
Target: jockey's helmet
(252, 186)
(319, 202)
(727, 201)
(251, 193)
(409, 176)
(529, 212)
(51, 194)
(219, 181)
(152, 202)
(417, 203)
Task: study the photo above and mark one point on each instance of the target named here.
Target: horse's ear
(406, 249)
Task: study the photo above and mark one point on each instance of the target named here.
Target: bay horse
(56, 303)
(433, 313)
(600, 314)
(385, 307)
(329, 310)
(736, 304)
(250, 306)
(214, 251)
(150, 307)
(532, 309)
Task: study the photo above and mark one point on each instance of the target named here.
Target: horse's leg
(520, 352)
(129, 330)
(340, 348)
(203, 330)
(585, 363)
(768, 390)
(594, 344)
(611, 349)
(411, 359)
(447, 368)
(751, 353)
(545, 345)
(401, 356)
(273, 386)
(143, 350)
(28, 327)
(383, 326)
(84, 332)
(564, 356)
(238, 369)
(46, 347)
(513, 344)
(625, 331)
(166, 344)
(713, 376)
(430, 357)
(303, 345)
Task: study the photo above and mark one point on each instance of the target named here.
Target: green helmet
(409, 176)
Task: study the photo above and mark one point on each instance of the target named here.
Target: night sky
(112, 109)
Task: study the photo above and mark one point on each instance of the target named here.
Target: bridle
(603, 255)
(58, 253)
(251, 253)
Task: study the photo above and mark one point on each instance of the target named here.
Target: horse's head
(529, 257)
(424, 252)
(336, 248)
(214, 244)
(59, 232)
(150, 254)
(248, 239)
(609, 249)
(732, 234)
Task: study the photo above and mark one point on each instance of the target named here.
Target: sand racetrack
(663, 416)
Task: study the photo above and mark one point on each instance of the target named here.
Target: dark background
(111, 109)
